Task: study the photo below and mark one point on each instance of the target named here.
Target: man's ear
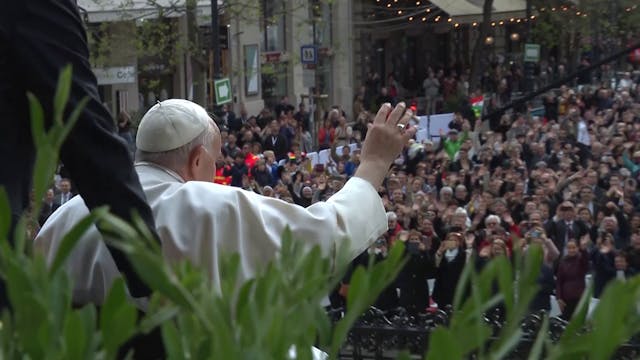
(194, 161)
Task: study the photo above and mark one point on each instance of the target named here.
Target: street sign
(309, 54)
(223, 91)
(531, 53)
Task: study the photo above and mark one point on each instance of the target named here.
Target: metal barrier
(383, 335)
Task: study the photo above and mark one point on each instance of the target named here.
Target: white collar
(167, 171)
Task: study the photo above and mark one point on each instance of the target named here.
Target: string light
(405, 13)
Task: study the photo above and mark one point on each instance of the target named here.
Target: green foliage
(610, 23)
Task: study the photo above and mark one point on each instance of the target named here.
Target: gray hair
(446, 189)
(495, 218)
(175, 159)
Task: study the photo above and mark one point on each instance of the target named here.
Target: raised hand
(386, 137)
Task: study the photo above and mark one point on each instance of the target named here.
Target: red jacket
(323, 133)
(220, 178)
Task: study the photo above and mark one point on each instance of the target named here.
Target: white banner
(439, 122)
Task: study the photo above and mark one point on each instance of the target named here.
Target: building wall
(343, 41)
(243, 33)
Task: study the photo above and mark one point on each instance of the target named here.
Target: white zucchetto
(171, 124)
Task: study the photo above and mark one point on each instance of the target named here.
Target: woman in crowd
(570, 277)
(450, 259)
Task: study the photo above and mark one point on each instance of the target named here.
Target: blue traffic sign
(309, 54)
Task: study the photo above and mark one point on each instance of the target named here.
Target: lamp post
(216, 71)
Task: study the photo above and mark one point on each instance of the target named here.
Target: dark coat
(604, 270)
(447, 276)
(557, 232)
(412, 281)
(97, 159)
(277, 144)
(546, 283)
(570, 277)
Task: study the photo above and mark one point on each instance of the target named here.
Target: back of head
(170, 130)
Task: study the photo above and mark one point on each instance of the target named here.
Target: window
(274, 28)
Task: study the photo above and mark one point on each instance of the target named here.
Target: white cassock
(200, 221)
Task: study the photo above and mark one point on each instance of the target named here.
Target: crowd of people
(567, 180)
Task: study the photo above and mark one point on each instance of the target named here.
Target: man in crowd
(177, 147)
(64, 195)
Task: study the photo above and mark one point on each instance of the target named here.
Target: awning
(122, 10)
(467, 11)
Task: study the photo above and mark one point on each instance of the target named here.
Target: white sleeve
(90, 265)
(252, 225)
(355, 213)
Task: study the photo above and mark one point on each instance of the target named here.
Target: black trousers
(37, 39)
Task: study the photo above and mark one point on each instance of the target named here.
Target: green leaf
(5, 216)
(63, 89)
(37, 120)
(461, 287)
(538, 345)
(171, 340)
(571, 332)
(71, 122)
(117, 318)
(614, 318)
(443, 345)
(164, 314)
(77, 335)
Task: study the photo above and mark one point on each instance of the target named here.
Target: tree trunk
(480, 47)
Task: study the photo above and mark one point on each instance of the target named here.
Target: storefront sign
(116, 75)
(272, 57)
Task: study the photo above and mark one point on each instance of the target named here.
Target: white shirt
(583, 133)
(200, 220)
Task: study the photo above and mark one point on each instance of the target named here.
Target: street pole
(216, 72)
(529, 68)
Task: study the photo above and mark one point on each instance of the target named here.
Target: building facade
(143, 53)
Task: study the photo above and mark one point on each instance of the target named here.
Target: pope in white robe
(198, 220)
